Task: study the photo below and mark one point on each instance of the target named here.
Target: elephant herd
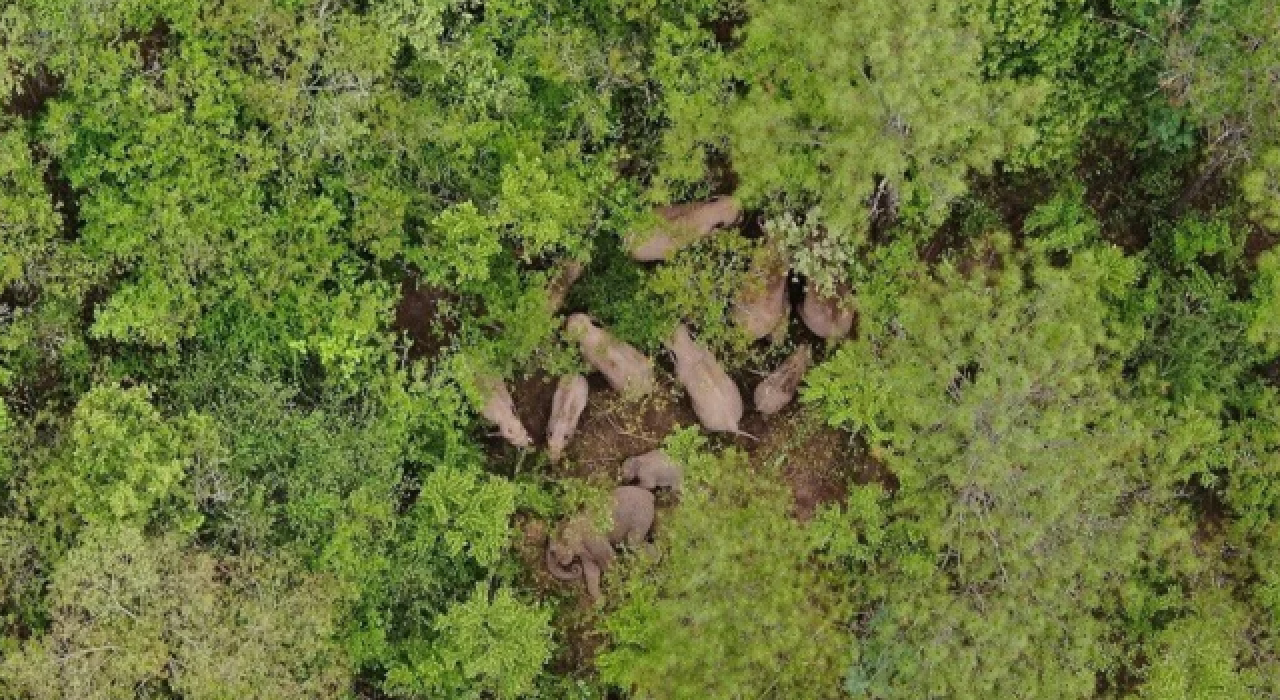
(760, 309)
(580, 551)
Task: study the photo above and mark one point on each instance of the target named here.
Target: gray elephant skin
(652, 471)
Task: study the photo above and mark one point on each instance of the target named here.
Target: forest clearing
(652, 349)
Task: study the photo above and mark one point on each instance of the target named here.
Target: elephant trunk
(573, 572)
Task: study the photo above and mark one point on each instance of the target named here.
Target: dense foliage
(258, 258)
(733, 592)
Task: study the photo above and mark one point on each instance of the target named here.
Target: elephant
(761, 305)
(563, 278)
(566, 409)
(829, 317)
(586, 557)
(779, 388)
(653, 470)
(500, 409)
(716, 399)
(582, 552)
(627, 369)
(683, 224)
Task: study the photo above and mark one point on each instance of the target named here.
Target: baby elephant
(653, 470)
(578, 554)
(580, 551)
(779, 388)
(566, 408)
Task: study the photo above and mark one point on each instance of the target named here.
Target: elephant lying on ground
(779, 388)
(572, 557)
(582, 552)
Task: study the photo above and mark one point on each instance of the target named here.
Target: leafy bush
(122, 463)
(491, 645)
(1261, 188)
(732, 608)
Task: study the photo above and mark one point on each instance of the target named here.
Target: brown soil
(1110, 172)
(34, 91)
(612, 427)
(419, 316)
(39, 85)
(1014, 195)
(725, 29)
(1256, 243)
(1011, 195)
(152, 45)
(818, 462)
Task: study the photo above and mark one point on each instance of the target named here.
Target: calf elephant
(653, 470)
(776, 391)
(566, 409)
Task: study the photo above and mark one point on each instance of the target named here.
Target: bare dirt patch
(1256, 243)
(614, 427)
(817, 461)
(35, 89)
(420, 315)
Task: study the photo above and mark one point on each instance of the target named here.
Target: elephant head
(562, 562)
(515, 434)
